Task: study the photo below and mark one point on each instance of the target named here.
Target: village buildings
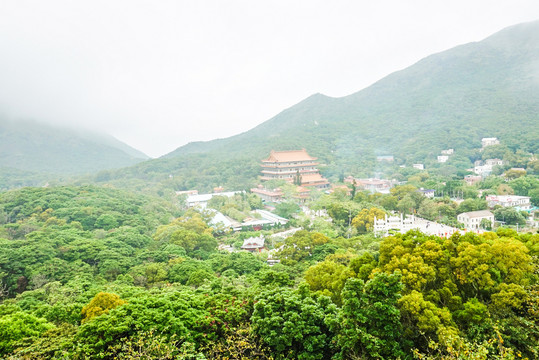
(372, 185)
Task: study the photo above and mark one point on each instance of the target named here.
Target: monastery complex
(287, 165)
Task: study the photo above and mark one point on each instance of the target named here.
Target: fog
(157, 75)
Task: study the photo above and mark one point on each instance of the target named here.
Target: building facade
(293, 166)
(520, 202)
(472, 220)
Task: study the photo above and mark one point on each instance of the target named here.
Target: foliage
(293, 324)
(364, 221)
(368, 327)
(101, 304)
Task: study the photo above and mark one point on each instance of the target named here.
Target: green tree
(524, 184)
(17, 326)
(328, 278)
(293, 323)
(287, 209)
(368, 326)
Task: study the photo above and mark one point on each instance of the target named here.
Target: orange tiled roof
(311, 177)
(288, 156)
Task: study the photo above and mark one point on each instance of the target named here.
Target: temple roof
(308, 178)
(288, 156)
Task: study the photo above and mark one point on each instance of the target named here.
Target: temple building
(295, 166)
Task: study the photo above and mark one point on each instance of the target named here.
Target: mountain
(29, 146)
(448, 100)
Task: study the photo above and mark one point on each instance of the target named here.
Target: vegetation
(91, 272)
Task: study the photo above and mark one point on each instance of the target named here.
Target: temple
(295, 166)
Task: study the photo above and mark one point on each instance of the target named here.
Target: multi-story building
(472, 220)
(519, 202)
(494, 162)
(289, 165)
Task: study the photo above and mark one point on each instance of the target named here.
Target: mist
(160, 75)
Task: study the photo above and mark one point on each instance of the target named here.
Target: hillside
(32, 147)
(448, 100)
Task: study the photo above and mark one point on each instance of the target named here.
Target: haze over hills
(448, 100)
(29, 146)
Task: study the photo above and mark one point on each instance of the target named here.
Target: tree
(364, 221)
(524, 184)
(328, 278)
(293, 323)
(406, 205)
(368, 326)
(286, 209)
(510, 216)
(534, 196)
(471, 205)
(101, 304)
(486, 224)
(300, 246)
(17, 326)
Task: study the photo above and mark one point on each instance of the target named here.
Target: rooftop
(476, 214)
(289, 156)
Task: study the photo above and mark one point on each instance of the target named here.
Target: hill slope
(448, 100)
(36, 147)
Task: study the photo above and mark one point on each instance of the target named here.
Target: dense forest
(95, 272)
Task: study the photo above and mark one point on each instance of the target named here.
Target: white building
(442, 158)
(520, 202)
(448, 152)
(418, 166)
(489, 142)
(399, 223)
(483, 170)
(494, 162)
(472, 220)
(427, 192)
(201, 200)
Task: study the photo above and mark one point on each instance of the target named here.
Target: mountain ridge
(485, 55)
(29, 145)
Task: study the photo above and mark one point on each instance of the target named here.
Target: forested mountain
(32, 147)
(448, 100)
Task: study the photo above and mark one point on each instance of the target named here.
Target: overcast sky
(160, 74)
